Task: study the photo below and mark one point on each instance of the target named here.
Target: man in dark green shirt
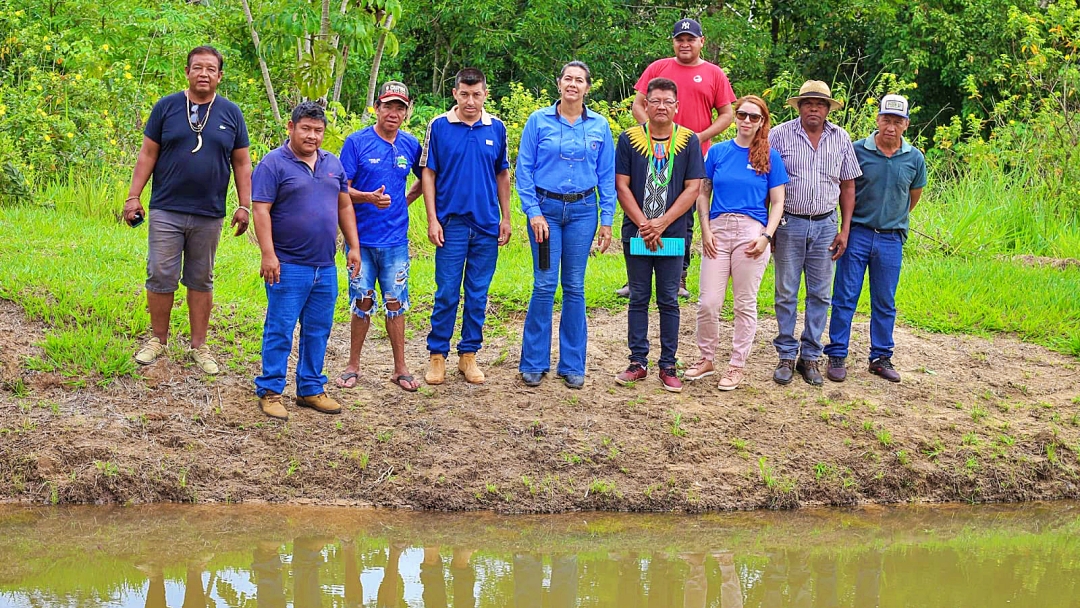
(894, 174)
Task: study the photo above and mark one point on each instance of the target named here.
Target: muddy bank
(974, 420)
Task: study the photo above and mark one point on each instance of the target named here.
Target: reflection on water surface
(267, 556)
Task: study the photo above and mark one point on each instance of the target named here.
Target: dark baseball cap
(687, 26)
(393, 90)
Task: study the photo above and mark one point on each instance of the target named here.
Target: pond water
(273, 556)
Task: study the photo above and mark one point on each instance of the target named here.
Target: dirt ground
(974, 419)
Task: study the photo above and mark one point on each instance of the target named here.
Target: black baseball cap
(687, 26)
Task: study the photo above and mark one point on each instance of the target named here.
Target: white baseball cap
(896, 105)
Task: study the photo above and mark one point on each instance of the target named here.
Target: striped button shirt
(814, 175)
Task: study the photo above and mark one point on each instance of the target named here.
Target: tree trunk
(341, 75)
(262, 63)
(324, 22)
(380, 46)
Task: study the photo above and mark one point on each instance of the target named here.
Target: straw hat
(815, 89)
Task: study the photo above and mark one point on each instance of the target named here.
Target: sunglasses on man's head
(753, 118)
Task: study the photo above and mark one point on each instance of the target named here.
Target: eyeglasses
(753, 118)
(667, 103)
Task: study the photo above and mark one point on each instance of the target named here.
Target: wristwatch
(768, 237)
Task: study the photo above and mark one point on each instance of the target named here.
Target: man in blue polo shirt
(301, 198)
(893, 176)
(466, 185)
(377, 162)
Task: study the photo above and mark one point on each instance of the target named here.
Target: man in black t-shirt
(192, 142)
(658, 171)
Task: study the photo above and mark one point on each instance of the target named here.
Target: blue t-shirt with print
(304, 204)
(736, 186)
(370, 162)
(466, 159)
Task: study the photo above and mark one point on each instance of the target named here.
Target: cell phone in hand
(136, 221)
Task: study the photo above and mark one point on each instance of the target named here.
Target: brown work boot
(436, 371)
(270, 404)
(320, 403)
(466, 364)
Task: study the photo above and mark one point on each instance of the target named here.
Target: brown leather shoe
(467, 365)
(808, 369)
(320, 403)
(436, 371)
(270, 404)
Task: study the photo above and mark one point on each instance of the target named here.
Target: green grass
(69, 262)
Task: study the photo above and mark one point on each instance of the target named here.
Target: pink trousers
(734, 233)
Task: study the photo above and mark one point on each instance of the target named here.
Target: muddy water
(271, 556)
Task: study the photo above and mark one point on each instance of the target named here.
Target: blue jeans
(390, 267)
(881, 253)
(802, 246)
(306, 294)
(639, 274)
(466, 259)
(572, 227)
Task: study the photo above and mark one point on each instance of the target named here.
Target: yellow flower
(105, 112)
(78, 76)
(47, 138)
(128, 75)
(3, 110)
(112, 142)
(105, 47)
(127, 66)
(48, 47)
(70, 135)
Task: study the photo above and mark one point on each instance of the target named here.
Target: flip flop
(410, 382)
(343, 380)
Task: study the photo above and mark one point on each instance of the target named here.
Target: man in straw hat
(894, 174)
(822, 168)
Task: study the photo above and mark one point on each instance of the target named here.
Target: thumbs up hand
(382, 199)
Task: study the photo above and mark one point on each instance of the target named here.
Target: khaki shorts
(182, 250)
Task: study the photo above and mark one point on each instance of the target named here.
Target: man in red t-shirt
(703, 87)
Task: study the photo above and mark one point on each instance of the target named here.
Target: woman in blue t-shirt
(740, 206)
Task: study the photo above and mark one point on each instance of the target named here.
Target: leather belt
(812, 218)
(566, 198)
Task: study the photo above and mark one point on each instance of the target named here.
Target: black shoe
(882, 366)
(808, 369)
(573, 380)
(785, 370)
(837, 371)
(532, 378)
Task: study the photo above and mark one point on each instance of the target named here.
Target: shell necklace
(194, 123)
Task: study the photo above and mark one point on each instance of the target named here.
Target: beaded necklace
(661, 173)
